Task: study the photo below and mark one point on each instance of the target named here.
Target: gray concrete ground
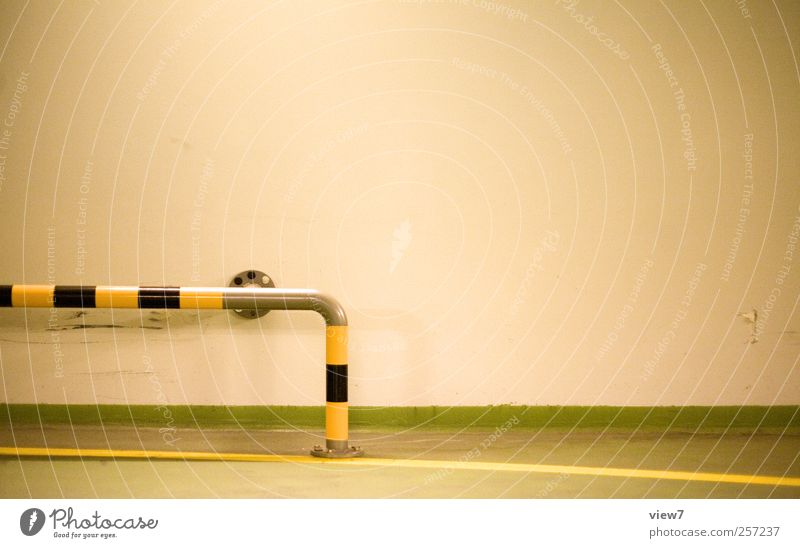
(770, 454)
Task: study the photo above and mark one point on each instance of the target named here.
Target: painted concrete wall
(534, 203)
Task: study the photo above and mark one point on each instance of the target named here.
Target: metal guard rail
(220, 298)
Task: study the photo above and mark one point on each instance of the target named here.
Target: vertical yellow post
(336, 420)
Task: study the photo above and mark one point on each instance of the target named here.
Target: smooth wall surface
(578, 203)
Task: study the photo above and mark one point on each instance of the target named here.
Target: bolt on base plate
(350, 452)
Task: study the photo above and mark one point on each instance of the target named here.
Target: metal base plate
(251, 278)
(348, 453)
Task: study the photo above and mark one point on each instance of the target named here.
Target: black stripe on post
(159, 297)
(336, 383)
(5, 295)
(74, 296)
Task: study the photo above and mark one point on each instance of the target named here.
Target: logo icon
(31, 521)
(401, 239)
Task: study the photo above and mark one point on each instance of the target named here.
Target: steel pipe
(218, 298)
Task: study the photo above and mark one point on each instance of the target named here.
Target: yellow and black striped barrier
(258, 299)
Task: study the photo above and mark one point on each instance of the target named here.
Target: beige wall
(500, 194)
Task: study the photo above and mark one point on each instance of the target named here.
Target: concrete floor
(766, 454)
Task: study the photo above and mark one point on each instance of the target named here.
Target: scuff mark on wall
(101, 326)
(752, 318)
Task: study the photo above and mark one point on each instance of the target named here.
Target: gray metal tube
(254, 298)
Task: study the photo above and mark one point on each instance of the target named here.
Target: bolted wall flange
(251, 278)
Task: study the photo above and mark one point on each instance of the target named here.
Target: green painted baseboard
(210, 416)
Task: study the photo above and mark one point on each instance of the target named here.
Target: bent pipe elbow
(286, 299)
(329, 308)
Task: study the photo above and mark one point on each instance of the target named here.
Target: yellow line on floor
(405, 463)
